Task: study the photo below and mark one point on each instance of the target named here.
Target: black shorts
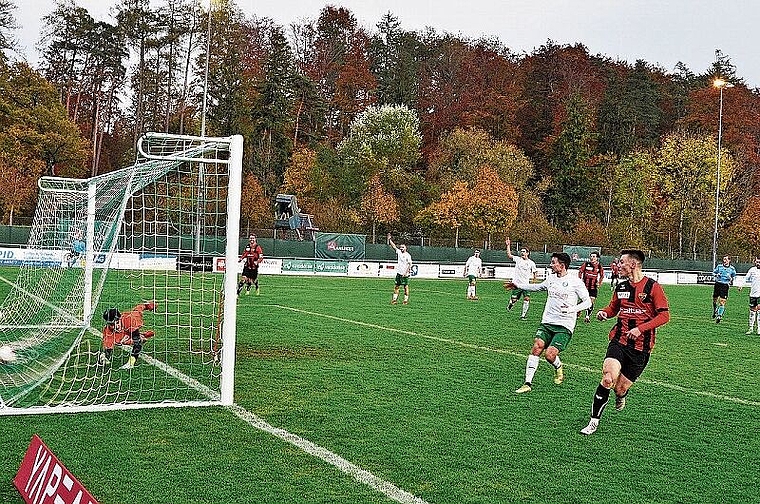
(754, 302)
(251, 273)
(632, 362)
(720, 290)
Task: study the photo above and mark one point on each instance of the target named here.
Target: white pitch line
(389, 489)
(670, 386)
(361, 475)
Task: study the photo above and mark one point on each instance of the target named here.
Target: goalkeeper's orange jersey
(131, 321)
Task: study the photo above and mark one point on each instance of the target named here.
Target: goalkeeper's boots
(749, 332)
(591, 427)
(130, 363)
(258, 291)
(248, 292)
(102, 359)
(559, 374)
(525, 388)
(619, 403)
(510, 306)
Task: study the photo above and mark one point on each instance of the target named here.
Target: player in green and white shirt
(753, 280)
(403, 270)
(566, 296)
(525, 272)
(472, 270)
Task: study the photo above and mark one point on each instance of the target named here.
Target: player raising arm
(403, 270)
(640, 306)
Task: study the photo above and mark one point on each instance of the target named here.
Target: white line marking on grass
(362, 476)
(359, 474)
(678, 388)
(720, 344)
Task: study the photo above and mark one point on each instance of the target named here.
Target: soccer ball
(7, 355)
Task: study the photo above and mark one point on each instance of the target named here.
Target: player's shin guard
(601, 397)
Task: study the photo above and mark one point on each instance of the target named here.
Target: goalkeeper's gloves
(150, 305)
(148, 334)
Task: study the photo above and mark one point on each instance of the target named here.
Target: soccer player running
(753, 280)
(472, 270)
(252, 256)
(724, 277)
(558, 322)
(124, 329)
(525, 272)
(614, 273)
(640, 306)
(403, 270)
(592, 274)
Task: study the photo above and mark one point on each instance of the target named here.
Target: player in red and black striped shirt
(640, 306)
(592, 274)
(251, 258)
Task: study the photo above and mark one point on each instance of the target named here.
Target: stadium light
(720, 84)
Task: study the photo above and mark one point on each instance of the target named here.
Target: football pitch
(341, 397)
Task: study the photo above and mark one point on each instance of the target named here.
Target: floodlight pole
(720, 84)
(205, 72)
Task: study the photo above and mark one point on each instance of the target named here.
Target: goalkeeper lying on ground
(124, 329)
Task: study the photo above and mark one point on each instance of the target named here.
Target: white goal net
(143, 248)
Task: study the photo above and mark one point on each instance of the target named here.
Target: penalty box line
(472, 346)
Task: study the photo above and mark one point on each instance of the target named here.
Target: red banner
(42, 478)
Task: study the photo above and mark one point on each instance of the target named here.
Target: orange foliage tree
(254, 205)
(451, 210)
(493, 204)
(378, 206)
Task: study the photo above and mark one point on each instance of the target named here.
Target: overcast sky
(661, 32)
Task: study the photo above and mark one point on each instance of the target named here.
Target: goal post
(152, 241)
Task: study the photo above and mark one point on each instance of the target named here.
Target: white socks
(530, 368)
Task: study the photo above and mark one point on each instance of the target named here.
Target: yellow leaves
(298, 174)
(488, 206)
(377, 204)
(254, 205)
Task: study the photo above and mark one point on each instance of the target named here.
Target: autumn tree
(632, 201)
(687, 180)
(386, 141)
(36, 138)
(378, 206)
(255, 208)
(745, 233)
(333, 53)
(492, 204)
(450, 211)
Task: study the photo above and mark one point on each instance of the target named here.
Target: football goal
(121, 298)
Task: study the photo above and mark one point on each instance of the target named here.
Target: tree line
(380, 129)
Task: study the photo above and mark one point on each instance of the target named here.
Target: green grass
(422, 396)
